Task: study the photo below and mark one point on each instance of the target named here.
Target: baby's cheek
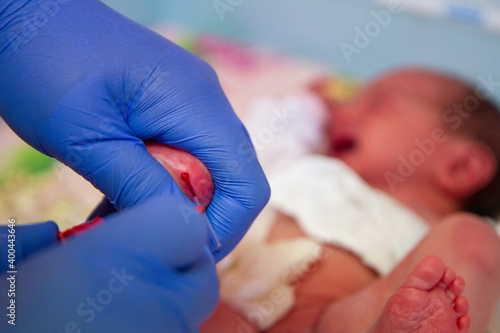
(177, 162)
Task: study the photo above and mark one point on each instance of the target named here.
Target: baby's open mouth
(343, 145)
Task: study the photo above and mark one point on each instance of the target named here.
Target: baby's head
(417, 128)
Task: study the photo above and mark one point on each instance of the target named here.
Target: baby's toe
(448, 277)
(456, 287)
(463, 324)
(461, 306)
(426, 274)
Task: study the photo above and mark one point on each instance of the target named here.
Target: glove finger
(27, 239)
(123, 170)
(167, 227)
(220, 253)
(35, 237)
(199, 290)
(129, 175)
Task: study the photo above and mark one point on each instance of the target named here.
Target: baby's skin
(177, 162)
(427, 301)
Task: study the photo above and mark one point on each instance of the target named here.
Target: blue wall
(316, 28)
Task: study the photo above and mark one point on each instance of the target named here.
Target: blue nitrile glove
(83, 84)
(145, 270)
(25, 240)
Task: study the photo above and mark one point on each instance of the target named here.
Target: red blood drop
(190, 174)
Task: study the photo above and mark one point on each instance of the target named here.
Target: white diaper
(332, 205)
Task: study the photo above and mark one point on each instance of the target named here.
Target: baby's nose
(178, 163)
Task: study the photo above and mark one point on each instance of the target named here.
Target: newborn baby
(380, 135)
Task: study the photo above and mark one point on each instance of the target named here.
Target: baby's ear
(466, 168)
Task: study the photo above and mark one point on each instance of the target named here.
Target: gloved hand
(148, 269)
(87, 86)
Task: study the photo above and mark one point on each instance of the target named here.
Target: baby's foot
(427, 302)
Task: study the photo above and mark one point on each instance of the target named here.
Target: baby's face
(382, 124)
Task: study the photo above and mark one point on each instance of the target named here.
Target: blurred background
(460, 36)
(269, 47)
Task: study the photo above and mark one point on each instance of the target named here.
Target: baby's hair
(482, 125)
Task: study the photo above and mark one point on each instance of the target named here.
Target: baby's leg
(226, 320)
(465, 243)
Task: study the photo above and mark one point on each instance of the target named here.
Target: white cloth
(286, 129)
